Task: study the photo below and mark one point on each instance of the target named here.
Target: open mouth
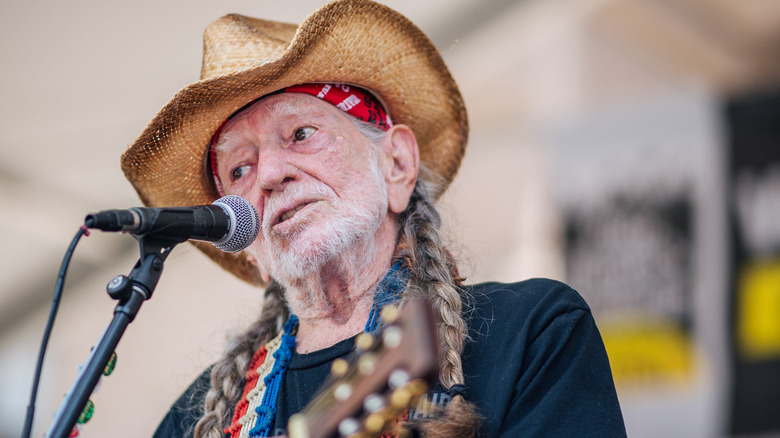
(291, 213)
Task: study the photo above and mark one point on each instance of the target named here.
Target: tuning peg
(348, 427)
(339, 367)
(373, 403)
(366, 364)
(297, 427)
(364, 341)
(400, 398)
(398, 378)
(374, 423)
(390, 314)
(392, 337)
(342, 392)
(417, 387)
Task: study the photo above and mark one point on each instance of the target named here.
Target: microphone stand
(131, 291)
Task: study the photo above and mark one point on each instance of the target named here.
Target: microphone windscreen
(244, 223)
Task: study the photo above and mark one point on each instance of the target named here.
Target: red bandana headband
(355, 101)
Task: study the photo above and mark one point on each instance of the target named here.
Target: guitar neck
(392, 370)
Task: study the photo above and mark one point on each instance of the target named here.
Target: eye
(302, 134)
(239, 172)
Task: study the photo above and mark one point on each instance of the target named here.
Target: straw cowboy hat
(346, 41)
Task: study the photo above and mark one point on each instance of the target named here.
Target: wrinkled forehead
(278, 108)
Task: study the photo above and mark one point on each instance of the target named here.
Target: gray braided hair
(434, 275)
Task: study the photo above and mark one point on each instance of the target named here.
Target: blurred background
(628, 147)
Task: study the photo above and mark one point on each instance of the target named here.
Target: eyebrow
(286, 107)
(225, 142)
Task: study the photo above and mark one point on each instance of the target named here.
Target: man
(343, 132)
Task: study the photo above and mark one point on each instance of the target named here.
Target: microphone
(231, 223)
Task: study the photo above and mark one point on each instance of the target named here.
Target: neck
(333, 303)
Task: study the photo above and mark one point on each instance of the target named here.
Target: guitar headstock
(393, 369)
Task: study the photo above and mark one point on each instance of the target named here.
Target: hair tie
(457, 389)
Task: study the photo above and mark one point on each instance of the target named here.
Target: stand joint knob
(119, 287)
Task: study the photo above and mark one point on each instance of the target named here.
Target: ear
(403, 166)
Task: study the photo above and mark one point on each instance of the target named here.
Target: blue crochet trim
(273, 381)
(388, 292)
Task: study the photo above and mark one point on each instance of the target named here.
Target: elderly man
(343, 132)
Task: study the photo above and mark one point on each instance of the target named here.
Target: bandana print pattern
(355, 101)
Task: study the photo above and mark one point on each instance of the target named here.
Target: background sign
(754, 213)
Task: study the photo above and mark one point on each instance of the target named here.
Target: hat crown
(235, 42)
(346, 41)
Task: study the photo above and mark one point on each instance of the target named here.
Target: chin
(308, 254)
(301, 257)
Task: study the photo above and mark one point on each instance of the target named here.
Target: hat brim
(346, 41)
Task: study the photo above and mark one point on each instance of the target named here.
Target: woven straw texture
(346, 41)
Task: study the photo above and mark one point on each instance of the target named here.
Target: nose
(274, 170)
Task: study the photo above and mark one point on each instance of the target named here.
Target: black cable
(55, 304)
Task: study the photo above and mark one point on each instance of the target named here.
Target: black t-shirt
(534, 365)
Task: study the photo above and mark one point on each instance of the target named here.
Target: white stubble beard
(348, 233)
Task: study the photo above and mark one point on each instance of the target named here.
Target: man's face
(313, 177)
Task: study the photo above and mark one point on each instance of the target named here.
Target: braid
(228, 374)
(434, 275)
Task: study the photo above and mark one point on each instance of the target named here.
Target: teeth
(290, 213)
